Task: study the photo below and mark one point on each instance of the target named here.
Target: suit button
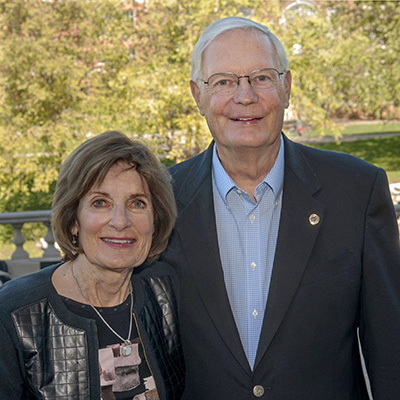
(258, 391)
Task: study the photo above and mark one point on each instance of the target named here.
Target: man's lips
(245, 119)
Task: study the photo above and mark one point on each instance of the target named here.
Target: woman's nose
(120, 218)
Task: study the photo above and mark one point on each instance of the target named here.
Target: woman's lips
(120, 242)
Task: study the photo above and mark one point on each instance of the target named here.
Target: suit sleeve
(380, 296)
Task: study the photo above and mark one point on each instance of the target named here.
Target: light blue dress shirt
(247, 236)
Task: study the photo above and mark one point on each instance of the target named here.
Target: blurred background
(71, 69)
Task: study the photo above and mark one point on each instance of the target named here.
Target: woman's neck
(83, 283)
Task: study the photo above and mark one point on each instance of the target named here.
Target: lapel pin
(314, 219)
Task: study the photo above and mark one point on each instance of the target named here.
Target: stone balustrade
(20, 263)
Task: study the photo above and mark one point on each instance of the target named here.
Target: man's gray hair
(229, 23)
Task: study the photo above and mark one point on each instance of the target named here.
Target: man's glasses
(228, 82)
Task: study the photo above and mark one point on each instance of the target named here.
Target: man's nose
(245, 93)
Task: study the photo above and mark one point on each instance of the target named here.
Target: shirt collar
(274, 178)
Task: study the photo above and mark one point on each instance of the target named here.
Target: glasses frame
(245, 76)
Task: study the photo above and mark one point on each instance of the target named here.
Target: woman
(103, 323)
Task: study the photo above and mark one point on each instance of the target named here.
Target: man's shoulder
(192, 172)
(202, 160)
(335, 161)
(193, 162)
(333, 170)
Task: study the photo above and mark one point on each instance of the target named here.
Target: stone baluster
(19, 240)
(51, 252)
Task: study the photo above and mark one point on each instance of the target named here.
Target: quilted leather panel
(55, 354)
(160, 319)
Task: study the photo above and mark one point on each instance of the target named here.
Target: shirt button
(238, 191)
(253, 265)
(255, 313)
(276, 203)
(252, 217)
(258, 391)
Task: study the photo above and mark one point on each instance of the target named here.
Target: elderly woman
(103, 323)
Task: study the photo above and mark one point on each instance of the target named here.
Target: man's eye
(223, 82)
(263, 78)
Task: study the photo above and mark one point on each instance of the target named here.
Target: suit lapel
(197, 232)
(295, 242)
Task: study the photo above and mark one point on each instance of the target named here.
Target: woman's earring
(74, 239)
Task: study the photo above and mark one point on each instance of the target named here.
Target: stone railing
(20, 263)
(397, 208)
(395, 192)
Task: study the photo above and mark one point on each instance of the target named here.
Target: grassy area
(360, 129)
(383, 152)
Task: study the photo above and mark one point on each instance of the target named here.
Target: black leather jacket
(49, 353)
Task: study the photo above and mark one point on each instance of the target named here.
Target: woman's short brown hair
(88, 165)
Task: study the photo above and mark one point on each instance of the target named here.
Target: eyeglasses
(228, 82)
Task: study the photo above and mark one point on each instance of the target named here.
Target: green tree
(58, 58)
(162, 105)
(369, 32)
(74, 68)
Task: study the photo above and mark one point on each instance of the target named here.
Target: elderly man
(286, 254)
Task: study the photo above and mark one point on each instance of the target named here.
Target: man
(284, 252)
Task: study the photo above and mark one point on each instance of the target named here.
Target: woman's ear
(75, 229)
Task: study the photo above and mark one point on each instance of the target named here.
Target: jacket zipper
(145, 355)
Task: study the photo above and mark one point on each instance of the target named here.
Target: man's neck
(248, 167)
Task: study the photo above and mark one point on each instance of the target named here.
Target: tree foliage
(74, 68)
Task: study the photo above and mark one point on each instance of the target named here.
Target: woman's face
(115, 220)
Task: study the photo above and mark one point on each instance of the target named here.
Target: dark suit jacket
(328, 279)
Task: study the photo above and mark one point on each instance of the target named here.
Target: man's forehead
(245, 35)
(228, 49)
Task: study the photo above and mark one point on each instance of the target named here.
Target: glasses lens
(264, 79)
(222, 83)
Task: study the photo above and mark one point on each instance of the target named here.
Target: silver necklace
(126, 348)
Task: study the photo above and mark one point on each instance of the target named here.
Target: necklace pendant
(126, 348)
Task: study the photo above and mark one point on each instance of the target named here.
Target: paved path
(344, 138)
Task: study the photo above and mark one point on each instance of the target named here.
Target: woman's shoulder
(26, 289)
(155, 269)
(159, 277)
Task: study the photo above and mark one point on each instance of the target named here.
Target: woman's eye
(138, 204)
(99, 203)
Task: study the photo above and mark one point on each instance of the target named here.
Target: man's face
(247, 118)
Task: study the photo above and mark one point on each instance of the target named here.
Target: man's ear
(196, 94)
